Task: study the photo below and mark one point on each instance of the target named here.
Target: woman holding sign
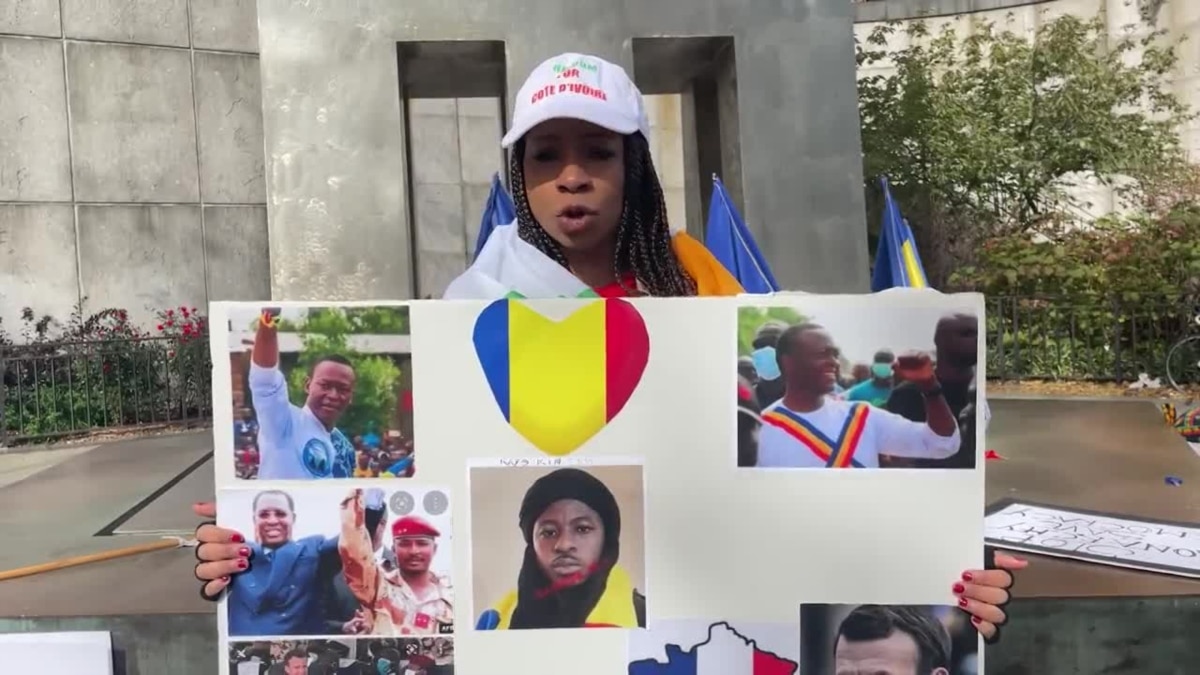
(592, 222)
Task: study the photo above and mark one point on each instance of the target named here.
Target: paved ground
(1109, 456)
(61, 503)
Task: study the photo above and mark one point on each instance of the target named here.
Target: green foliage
(351, 320)
(1108, 300)
(101, 371)
(377, 377)
(979, 134)
(750, 318)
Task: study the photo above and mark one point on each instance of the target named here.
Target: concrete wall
(1179, 17)
(140, 184)
(131, 164)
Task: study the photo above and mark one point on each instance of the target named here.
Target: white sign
(78, 653)
(1108, 540)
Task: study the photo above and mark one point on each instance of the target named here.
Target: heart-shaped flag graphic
(559, 382)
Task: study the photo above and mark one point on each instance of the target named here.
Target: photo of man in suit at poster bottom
(892, 639)
(558, 547)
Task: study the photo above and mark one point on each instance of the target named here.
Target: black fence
(56, 389)
(1100, 339)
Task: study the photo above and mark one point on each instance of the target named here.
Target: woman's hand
(221, 553)
(984, 593)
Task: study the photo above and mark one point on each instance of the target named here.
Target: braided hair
(643, 238)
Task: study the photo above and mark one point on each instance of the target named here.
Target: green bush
(100, 371)
(1104, 302)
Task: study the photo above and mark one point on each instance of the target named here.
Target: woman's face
(575, 182)
(568, 538)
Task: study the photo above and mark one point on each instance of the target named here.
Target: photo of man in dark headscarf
(570, 575)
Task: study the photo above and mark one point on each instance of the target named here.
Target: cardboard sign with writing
(1107, 539)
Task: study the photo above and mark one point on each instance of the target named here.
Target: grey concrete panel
(150, 22)
(132, 123)
(438, 209)
(229, 112)
(231, 25)
(238, 253)
(335, 155)
(436, 272)
(166, 272)
(30, 17)
(37, 262)
(434, 143)
(479, 147)
(35, 157)
(796, 98)
(474, 200)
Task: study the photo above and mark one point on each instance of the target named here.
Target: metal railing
(1105, 339)
(56, 389)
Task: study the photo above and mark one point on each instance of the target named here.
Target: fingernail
(244, 552)
(243, 564)
(967, 576)
(976, 620)
(225, 579)
(237, 538)
(959, 588)
(962, 602)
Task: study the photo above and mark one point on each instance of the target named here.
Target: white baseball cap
(581, 87)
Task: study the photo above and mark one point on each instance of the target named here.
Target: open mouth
(575, 217)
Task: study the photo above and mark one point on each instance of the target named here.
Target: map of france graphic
(725, 651)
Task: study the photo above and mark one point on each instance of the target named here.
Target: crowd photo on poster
(558, 547)
(321, 392)
(352, 656)
(925, 639)
(333, 561)
(826, 389)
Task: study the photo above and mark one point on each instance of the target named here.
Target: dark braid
(643, 245)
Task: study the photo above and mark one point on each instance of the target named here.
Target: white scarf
(508, 266)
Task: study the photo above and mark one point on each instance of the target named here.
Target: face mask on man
(765, 364)
(881, 371)
(383, 666)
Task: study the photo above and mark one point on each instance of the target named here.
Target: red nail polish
(243, 564)
(237, 539)
(959, 589)
(244, 552)
(967, 576)
(976, 620)
(962, 602)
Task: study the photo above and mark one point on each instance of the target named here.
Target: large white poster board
(501, 488)
(1103, 538)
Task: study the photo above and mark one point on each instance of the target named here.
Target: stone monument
(769, 105)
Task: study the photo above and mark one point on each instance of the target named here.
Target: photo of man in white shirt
(808, 428)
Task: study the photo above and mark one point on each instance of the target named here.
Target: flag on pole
(897, 262)
(498, 211)
(730, 242)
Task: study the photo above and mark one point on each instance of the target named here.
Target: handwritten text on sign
(1104, 539)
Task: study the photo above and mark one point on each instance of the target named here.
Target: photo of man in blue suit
(282, 592)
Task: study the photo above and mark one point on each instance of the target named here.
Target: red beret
(413, 526)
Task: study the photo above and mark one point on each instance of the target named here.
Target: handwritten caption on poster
(1107, 540)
